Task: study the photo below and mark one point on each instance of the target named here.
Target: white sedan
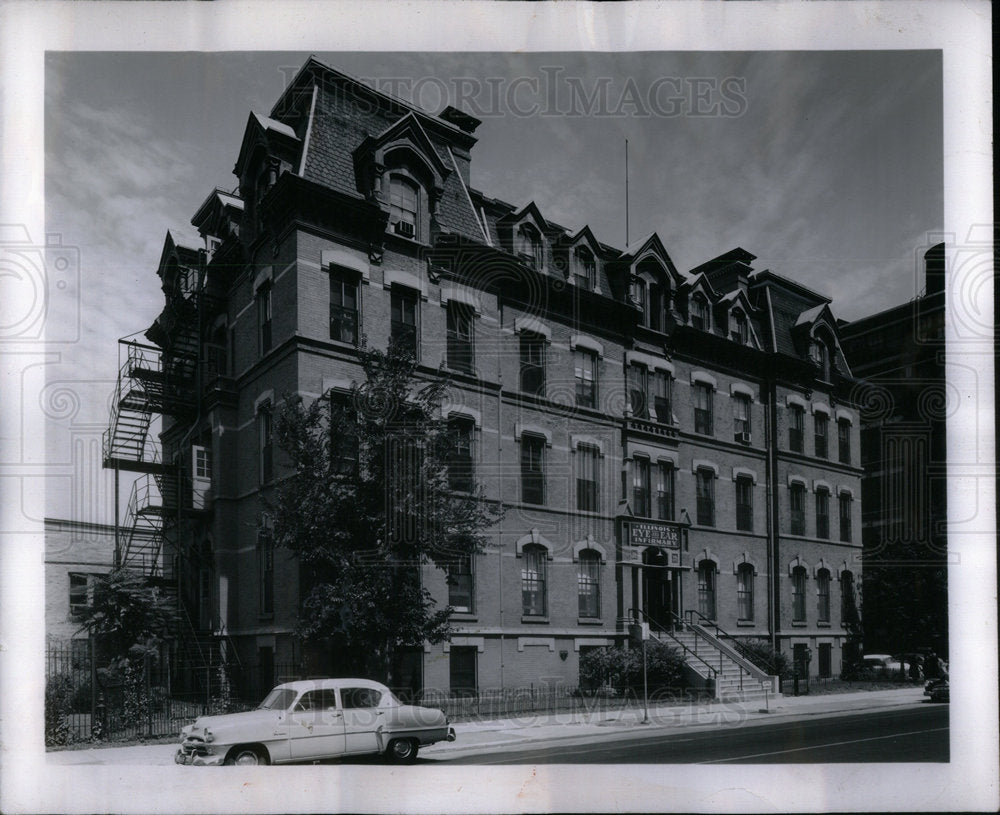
(315, 719)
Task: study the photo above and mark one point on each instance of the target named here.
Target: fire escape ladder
(128, 442)
(143, 527)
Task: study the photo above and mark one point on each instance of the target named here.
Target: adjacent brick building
(669, 446)
(76, 553)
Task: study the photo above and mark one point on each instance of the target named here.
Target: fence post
(93, 682)
(149, 695)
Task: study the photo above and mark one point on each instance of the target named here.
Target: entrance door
(657, 589)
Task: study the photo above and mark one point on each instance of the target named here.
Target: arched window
(823, 595)
(640, 297)
(741, 327)
(699, 312)
(404, 206)
(799, 594)
(706, 589)
(848, 600)
(533, 580)
(589, 583)
(744, 591)
(584, 268)
(529, 245)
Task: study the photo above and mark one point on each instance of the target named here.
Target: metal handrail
(724, 640)
(684, 648)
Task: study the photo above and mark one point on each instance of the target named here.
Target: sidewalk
(475, 737)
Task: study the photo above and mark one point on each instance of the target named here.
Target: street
(918, 734)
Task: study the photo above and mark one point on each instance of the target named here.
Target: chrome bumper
(451, 734)
(192, 758)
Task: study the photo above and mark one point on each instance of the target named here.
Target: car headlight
(208, 735)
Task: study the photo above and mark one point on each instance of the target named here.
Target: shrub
(761, 654)
(58, 706)
(621, 668)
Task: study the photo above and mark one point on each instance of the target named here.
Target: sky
(825, 165)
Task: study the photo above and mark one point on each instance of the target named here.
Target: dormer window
(640, 299)
(529, 245)
(404, 201)
(741, 328)
(699, 312)
(821, 353)
(584, 268)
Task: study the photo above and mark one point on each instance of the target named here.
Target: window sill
(746, 624)
(589, 621)
(799, 623)
(530, 618)
(464, 616)
(823, 625)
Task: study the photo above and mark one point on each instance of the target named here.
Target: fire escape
(161, 383)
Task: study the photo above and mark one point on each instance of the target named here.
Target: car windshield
(278, 699)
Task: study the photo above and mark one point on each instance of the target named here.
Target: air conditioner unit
(743, 437)
(404, 228)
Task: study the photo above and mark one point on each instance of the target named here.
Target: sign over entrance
(646, 533)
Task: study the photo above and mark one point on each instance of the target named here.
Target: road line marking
(822, 746)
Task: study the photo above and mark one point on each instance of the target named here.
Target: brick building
(673, 447)
(76, 553)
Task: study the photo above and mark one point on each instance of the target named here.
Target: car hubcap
(246, 758)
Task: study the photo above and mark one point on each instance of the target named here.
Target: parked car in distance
(315, 719)
(938, 691)
(884, 663)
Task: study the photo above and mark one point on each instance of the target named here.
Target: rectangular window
(533, 582)
(821, 425)
(706, 497)
(825, 660)
(404, 311)
(589, 584)
(264, 318)
(461, 348)
(585, 373)
(460, 584)
(744, 504)
(796, 426)
(703, 408)
(585, 269)
(844, 440)
(662, 387)
(797, 508)
(640, 487)
(461, 467)
(78, 593)
(845, 517)
(822, 514)
(532, 364)
(462, 671)
(588, 461)
(532, 469)
(741, 416)
(799, 594)
(343, 307)
(202, 462)
(265, 443)
(665, 491)
(265, 570)
(637, 391)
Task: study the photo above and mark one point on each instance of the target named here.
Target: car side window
(360, 697)
(317, 700)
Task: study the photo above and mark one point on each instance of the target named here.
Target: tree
(128, 615)
(368, 503)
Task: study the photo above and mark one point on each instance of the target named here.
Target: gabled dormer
(526, 234)
(648, 279)
(401, 170)
(180, 265)
(816, 337)
(269, 149)
(700, 304)
(581, 257)
(736, 315)
(218, 219)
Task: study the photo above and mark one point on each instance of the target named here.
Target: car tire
(402, 751)
(246, 756)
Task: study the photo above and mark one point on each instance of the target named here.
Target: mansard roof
(213, 207)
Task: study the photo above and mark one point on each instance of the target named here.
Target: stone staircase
(732, 677)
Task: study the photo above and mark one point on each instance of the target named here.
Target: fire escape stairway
(141, 531)
(128, 443)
